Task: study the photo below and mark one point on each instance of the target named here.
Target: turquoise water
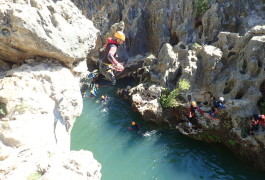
(159, 153)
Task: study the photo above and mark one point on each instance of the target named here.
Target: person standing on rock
(107, 56)
(192, 115)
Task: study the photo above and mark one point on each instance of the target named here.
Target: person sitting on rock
(216, 105)
(108, 61)
(192, 111)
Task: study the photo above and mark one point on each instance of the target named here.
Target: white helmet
(222, 99)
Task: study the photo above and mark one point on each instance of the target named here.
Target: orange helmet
(133, 123)
(120, 35)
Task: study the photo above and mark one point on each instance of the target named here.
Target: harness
(108, 67)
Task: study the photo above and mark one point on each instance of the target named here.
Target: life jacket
(103, 52)
(193, 109)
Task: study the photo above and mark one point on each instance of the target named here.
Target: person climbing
(216, 105)
(192, 113)
(108, 61)
(135, 127)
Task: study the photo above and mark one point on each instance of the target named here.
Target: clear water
(159, 153)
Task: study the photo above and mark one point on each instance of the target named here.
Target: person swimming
(104, 98)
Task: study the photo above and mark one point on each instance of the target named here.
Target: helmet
(133, 123)
(262, 117)
(193, 103)
(120, 35)
(222, 99)
(102, 97)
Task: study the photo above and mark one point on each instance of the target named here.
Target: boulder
(45, 29)
(145, 100)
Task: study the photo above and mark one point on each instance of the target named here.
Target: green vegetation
(168, 99)
(261, 105)
(231, 142)
(196, 45)
(201, 6)
(34, 176)
(3, 111)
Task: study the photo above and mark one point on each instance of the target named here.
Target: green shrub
(232, 142)
(168, 99)
(196, 45)
(201, 6)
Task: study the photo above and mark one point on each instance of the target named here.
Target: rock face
(151, 23)
(40, 97)
(145, 100)
(46, 29)
(233, 68)
(40, 102)
(49, 97)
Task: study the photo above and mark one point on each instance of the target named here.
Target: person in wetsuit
(108, 61)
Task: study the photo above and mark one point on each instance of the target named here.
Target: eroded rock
(44, 28)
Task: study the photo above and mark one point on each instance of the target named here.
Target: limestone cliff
(43, 48)
(151, 23)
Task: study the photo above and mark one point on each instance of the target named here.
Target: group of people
(255, 121)
(217, 105)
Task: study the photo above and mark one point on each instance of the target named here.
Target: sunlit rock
(44, 28)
